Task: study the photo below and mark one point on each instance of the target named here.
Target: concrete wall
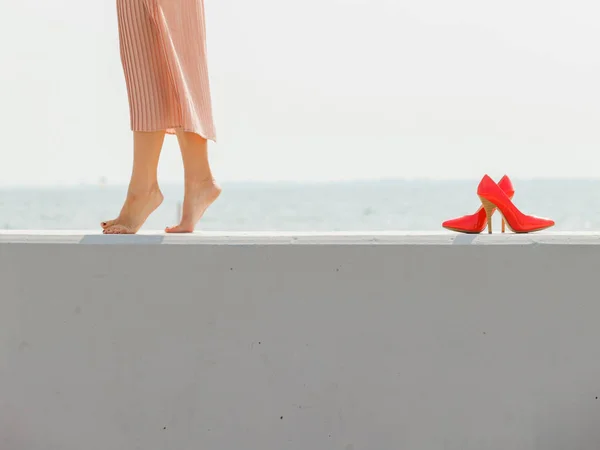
(403, 343)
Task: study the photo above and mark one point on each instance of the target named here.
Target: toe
(114, 229)
(108, 223)
(178, 229)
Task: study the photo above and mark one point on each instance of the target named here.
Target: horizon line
(293, 182)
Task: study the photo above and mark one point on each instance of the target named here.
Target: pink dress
(163, 51)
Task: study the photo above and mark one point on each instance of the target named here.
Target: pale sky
(319, 90)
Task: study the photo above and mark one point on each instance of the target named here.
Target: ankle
(142, 191)
(143, 187)
(200, 182)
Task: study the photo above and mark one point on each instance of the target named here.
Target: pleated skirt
(163, 51)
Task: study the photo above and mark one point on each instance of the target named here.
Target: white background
(318, 90)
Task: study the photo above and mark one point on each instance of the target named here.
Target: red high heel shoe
(475, 223)
(493, 197)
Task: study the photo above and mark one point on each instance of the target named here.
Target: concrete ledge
(286, 238)
(406, 341)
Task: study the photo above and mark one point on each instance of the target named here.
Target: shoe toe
(465, 224)
(448, 223)
(542, 223)
(453, 224)
(549, 222)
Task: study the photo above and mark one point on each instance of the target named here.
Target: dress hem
(172, 131)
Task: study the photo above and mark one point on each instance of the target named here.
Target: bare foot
(138, 206)
(197, 199)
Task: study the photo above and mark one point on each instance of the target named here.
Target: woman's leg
(201, 190)
(143, 195)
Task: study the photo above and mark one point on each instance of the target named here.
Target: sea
(380, 205)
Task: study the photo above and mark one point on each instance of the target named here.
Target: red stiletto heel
(493, 197)
(475, 223)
